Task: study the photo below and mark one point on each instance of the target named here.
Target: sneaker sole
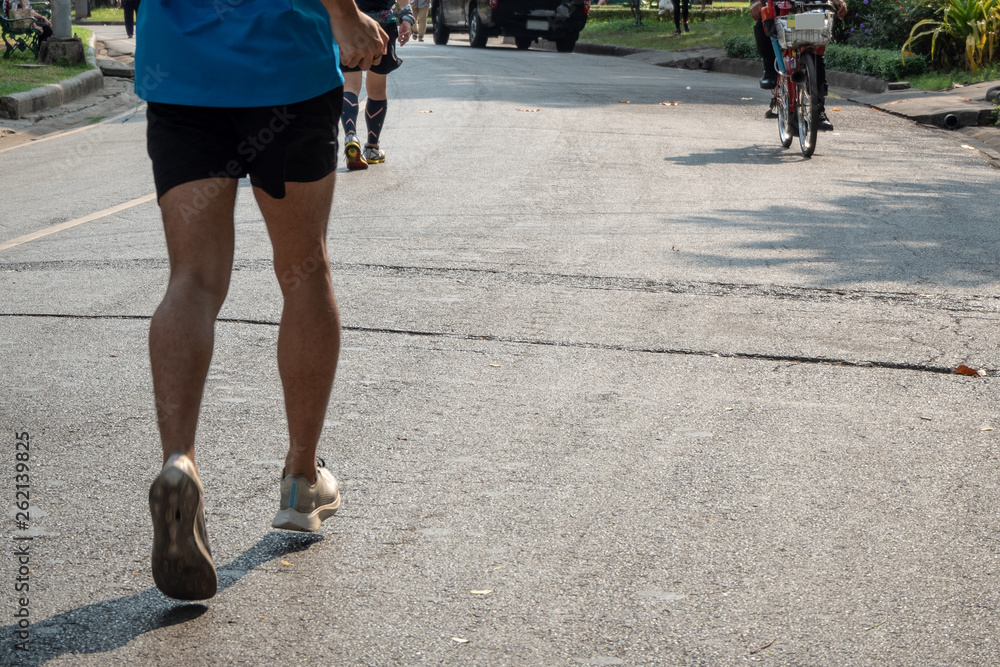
(354, 159)
(375, 160)
(291, 519)
(182, 565)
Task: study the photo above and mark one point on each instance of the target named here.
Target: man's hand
(405, 31)
(841, 8)
(755, 10)
(362, 41)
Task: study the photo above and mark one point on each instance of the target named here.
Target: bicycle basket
(805, 29)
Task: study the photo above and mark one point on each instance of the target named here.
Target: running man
(236, 88)
(397, 27)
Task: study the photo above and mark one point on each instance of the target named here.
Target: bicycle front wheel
(785, 92)
(809, 102)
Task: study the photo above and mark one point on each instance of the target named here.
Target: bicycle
(799, 31)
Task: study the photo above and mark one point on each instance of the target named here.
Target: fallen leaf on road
(836, 108)
(966, 100)
(986, 428)
(494, 365)
(622, 101)
(729, 409)
(529, 110)
(485, 592)
(675, 248)
(460, 640)
(499, 567)
(926, 419)
(669, 104)
(971, 148)
(286, 563)
(427, 111)
(746, 98)
(889, 104)
(966, 370)
(761, 648)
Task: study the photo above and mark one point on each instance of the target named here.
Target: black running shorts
(293, 143)
(390, 61)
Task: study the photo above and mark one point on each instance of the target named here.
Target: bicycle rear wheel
(808, 106)
(785, 92)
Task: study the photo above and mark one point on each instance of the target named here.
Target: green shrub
(884, 64)
(881, 24)
(962, 32)
(741, 46)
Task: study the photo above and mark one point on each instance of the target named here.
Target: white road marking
(59, 134)
(74, 223)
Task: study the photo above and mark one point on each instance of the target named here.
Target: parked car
(559, 21)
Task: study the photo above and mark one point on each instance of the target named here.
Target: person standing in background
(131, 8)
(423, 7)
(681, 6)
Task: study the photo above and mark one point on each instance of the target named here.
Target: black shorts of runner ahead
(291, 143)
(390, 62)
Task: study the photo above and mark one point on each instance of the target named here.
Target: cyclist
(769, 79)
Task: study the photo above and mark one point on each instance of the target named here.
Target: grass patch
(83, 34)
(657, 32)
(106, 14)
(944, 80)
(14, 79)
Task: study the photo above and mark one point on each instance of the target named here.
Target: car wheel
(522, 42)
(566, 45)
(477, 31)
(441, 32)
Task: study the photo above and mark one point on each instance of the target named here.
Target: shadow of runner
(106, 626)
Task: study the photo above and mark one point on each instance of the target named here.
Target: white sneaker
(305, 506)
(182, 561)
(374, 155)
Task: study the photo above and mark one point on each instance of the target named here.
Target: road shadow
(940, 232)
(109, 625)
(753, 154)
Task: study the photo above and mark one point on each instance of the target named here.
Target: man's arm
(406, 21)
(362, 42)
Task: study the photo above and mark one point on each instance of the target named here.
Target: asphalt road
(622, 383)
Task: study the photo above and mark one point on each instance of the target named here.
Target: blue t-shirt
(234, 53)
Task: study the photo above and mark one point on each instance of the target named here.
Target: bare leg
(376, 85)
(309, 335)
(198, 223)
(352, 82)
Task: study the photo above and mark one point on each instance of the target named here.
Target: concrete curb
(19, 105)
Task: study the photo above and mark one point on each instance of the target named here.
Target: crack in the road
(681, 351)
(471, 276)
